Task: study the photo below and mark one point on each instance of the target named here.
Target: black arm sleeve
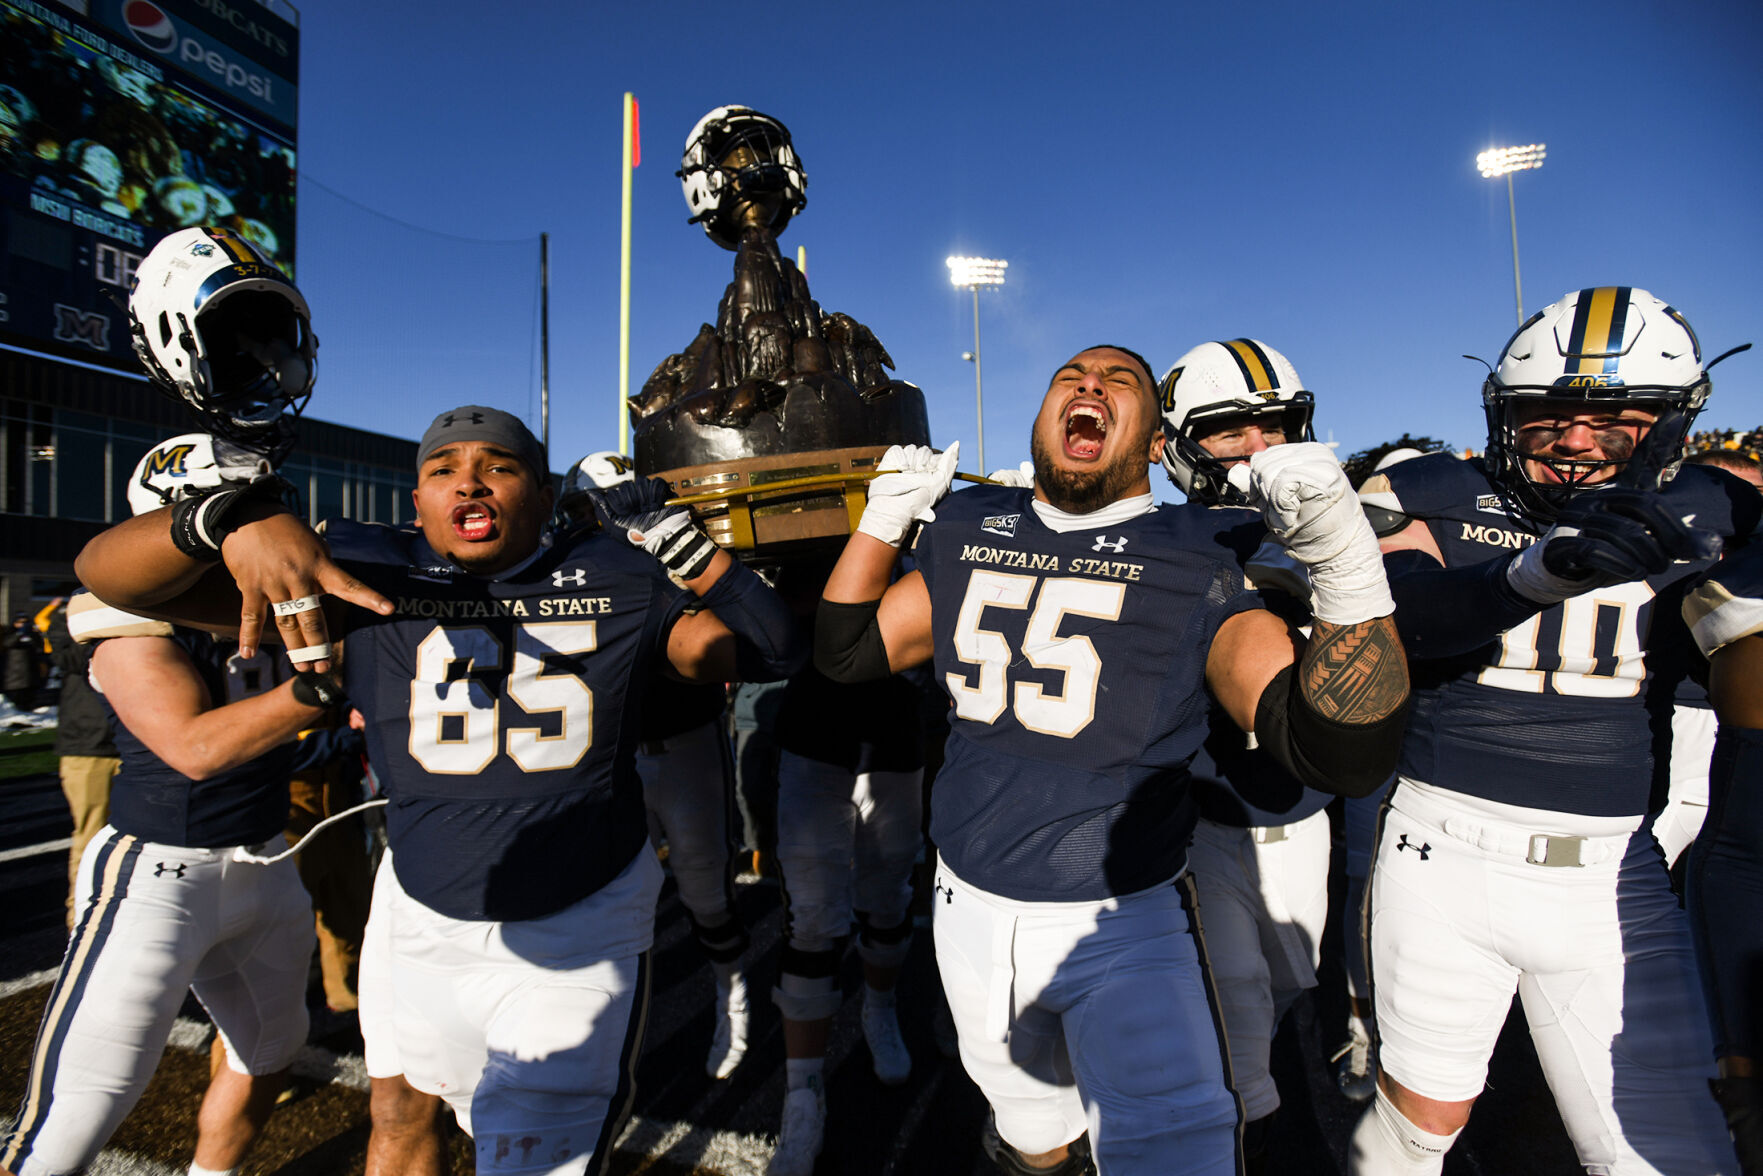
(848, 643)
(1346, 759)
(768, 646)
(1445, 612)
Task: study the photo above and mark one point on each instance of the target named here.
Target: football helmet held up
(220, 327)
(1603, 346)
(1216, 382)
(738, 159)
(189, 465)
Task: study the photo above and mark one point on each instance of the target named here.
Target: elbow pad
(767, 644)
(848, 644)
(1345, 759)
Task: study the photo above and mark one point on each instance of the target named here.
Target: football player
(505, 966)
(684, 761)
(1726, 863)
(849, 811)
(1082, 632)
(1516, 851)
(163, 905)
(1261, 872)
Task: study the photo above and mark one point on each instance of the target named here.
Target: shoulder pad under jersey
(1728, 605)
(1422, 487)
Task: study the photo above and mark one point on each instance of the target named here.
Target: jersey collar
(1121, 511)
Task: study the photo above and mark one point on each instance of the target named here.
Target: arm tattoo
(1354, 673)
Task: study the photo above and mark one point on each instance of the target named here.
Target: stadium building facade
(70, 436)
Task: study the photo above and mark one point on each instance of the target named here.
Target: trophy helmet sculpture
(740, 171)
(777, 394)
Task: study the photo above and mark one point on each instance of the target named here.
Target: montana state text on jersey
(1088, 649)
(482, 698)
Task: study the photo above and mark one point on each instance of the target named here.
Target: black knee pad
(723, 942)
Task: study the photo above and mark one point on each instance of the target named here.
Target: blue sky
(1156, 174)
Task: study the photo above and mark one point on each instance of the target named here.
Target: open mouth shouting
(473, 522)
(1086, 428)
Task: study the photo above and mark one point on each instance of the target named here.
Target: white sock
(1386, 1144)
(876, 998)
(803, 1073)
(731, 979)
(198, 1170)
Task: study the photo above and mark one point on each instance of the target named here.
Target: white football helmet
(711, 176)
(1601, 345)
(186, 465)
(1215, 381)
(597, 471)
(219, 326)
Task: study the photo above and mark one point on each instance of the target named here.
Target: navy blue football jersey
(245, 805)
(1728, 605)
(1076, 666)
(1569, 711)
(502, 714)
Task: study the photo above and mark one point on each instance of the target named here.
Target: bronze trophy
(770, 422)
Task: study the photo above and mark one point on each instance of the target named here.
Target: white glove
(1310, 507)
(915, 480)
(1021, 478)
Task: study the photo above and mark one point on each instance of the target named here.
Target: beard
(1086, 490)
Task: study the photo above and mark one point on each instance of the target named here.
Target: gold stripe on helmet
(1595, 347)
(1255, 367)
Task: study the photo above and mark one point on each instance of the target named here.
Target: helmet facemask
(1205, 478)
(740, 171)
(219, 327)
(1599, 349)
(1654, 460)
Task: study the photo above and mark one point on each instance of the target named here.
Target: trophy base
(782, 505)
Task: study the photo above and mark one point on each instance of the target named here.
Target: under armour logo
(451, 419)
(573, 579)
(160, 869)
(1103, 543)
(948, 895)
(1422, 849)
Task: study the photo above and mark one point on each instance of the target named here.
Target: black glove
(640, 509)
(1622, 535)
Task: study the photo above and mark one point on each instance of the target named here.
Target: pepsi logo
(149, 25)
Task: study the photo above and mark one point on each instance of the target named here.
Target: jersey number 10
(1595, 651)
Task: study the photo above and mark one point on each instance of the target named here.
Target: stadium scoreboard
(122, 121)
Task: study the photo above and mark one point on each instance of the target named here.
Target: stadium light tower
(970, 273)
(1503, 161)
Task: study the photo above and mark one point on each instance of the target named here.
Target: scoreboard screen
(122, 121)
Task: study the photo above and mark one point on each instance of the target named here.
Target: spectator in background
(88, 757)
(1733, 462)
(23, 651)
